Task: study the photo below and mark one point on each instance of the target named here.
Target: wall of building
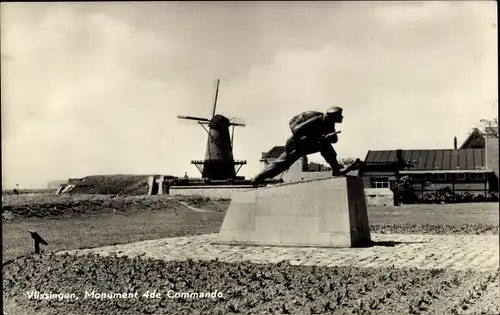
(379, 197)
(369, 177)
(475, 140)
(491, 152)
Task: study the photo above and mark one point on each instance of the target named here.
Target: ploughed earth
(240, 288)
(78, 282)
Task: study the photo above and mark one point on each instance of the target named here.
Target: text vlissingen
(36, 295)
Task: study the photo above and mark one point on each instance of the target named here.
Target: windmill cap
(334, 110)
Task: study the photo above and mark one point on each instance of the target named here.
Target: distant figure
(16, 191)
(186, 176)
(312, 132)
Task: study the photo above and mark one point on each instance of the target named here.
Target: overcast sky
(95, 88)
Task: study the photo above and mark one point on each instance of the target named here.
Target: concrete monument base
(320, 213)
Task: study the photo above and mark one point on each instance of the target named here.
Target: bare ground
(246, 288)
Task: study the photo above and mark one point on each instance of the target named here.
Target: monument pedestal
(319, 213)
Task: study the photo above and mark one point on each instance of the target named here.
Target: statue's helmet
(333, 111)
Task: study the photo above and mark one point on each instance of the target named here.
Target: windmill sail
(215, 98)
(194, 118)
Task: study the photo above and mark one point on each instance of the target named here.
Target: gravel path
(420, 251)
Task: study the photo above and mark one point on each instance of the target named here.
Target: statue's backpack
(300, 118)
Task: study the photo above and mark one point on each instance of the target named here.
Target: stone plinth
(323, 212)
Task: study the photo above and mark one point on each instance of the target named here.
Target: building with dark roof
(473, 167)
(272, 154)
(475, 140)
(433, 160)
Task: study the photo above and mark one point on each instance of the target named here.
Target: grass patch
(86, 221)
(103, 230)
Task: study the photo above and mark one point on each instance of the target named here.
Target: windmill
(219, 163)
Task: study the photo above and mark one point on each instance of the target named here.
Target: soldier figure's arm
(331, 137)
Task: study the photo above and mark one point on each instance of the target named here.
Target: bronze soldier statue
(312, 132)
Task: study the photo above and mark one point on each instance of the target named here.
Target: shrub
(447, 196)
(404, 192)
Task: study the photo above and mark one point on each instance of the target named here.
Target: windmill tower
(219, 163)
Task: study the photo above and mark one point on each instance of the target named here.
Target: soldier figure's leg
(284, 161)
(330, 156)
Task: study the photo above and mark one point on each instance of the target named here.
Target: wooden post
(167, 187)
(422, 185)
(485, 185)
(37, 240)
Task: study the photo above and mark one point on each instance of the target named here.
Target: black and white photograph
(250, 157)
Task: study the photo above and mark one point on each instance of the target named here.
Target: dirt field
(67, 222)
(244, 288)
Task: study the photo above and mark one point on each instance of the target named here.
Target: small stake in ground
(38, 240)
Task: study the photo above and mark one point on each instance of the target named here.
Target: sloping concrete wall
(329, 212)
